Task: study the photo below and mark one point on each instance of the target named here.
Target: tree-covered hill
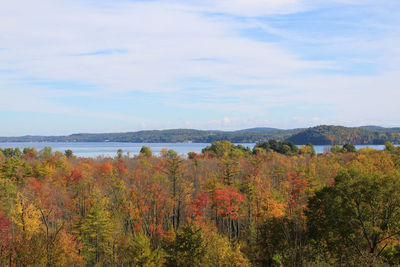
(330, 135)
(166, 136)
(319, 135)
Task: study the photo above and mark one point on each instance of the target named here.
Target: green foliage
(336, 149)
(344, 149)
(16, 170)
(221, 149)
(30, 152)
(349, 148)
(357, 216)
(46, 152)
(11, 152)
(166, 136)
(68, 153)
(171, 154)
(280, 241)
(96, 235)
(331, 135)
(120, 153)
(221, 252)
(308, 149)
(389, 147)
(282, 147)
(234, 209)
(146, 151)
(137, 251)
(320, 135)
(188, 249)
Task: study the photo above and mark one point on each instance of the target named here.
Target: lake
(109, 149)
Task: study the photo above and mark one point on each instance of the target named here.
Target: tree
(46, 152)
(137, 251)
(188, 249)
(171, 154)
(358, 217)
(308, 149)
(219, 149)
(349, 148)
(389, 147)
(30, 152)
(68, 153)
(336, 149)
(12, 152)
(120, 153)
(146, 151)
(282, 147)
(175, 176)
(221, 252)
(96, 234)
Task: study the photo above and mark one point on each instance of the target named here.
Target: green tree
(219, 149)
(358, 217)
(308, 149)
(389, 147)
(336, 149)
(46, 152)
(68, 153)
(171, 154)
(189, 247)
(96, 235)
(120, 153)
(349, 148)
(146, 151)
(137, 250)
(30, 151)
(12, 152)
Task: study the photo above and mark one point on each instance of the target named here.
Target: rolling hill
(319, 135)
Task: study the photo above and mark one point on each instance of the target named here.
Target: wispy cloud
(153, 62)
(104, 52)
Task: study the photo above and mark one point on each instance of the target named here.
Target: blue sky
(114, 66)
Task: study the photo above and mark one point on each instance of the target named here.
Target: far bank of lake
(109, 149)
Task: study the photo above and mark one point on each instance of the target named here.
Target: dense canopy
(229, 206)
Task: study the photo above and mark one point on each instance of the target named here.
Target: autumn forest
(273, 205)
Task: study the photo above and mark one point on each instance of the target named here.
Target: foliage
(339, 135)
(282, 147)
(188, 248)
(277, 206)
(358, 215)
(146, 151)
(319, 135)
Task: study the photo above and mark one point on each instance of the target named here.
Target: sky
(69, 66)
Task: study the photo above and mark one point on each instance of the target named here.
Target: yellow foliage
(26, 216)
(220, 252)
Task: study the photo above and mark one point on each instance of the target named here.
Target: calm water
(109, 149)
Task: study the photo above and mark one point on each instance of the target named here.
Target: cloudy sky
(70, 66)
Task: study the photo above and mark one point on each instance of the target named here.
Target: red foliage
(106, 169)
(198, 206)
(4, 229)
(297, 185)
(121, 167)
(227, 201)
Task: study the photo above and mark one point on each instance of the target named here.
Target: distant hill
(166, 136)
(330, 135)
(319, 135)
(371, 127)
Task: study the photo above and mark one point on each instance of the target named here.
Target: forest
(274, 205)
(318, 135)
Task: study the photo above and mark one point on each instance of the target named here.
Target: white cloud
(162, 43)
(256, 7)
